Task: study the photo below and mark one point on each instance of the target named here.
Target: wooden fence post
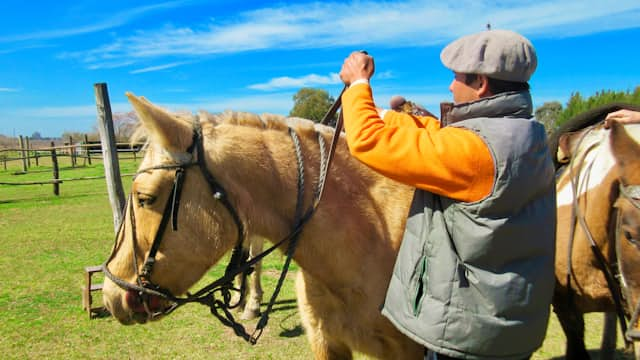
(109, 153)
(87, 148)
(24, 156)
(28, 147)
(56, 174)
(72, 153)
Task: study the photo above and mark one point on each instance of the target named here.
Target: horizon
(217, 55)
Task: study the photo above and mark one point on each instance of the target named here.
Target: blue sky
(255, 55)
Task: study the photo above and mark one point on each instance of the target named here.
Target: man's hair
(497, 86)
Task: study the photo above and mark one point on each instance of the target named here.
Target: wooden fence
(108, 151)
(28, 158)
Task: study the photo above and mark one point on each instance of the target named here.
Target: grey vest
(475, 280)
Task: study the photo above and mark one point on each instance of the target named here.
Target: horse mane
(266, 121)
(583, 120)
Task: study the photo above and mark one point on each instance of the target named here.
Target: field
(45, 243)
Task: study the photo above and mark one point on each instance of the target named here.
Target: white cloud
(304, 81)
(361, 23)
(111, 21)
(157, 67)
(8, 89)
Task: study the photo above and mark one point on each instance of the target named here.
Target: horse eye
(630, 237)
(145, 199)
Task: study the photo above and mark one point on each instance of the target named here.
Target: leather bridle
(238, 264)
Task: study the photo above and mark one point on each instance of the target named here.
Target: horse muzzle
(144, 306)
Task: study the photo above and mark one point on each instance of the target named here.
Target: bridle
(631, 193)
(612, 272)
(221, 305)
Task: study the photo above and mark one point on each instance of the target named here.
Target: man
(474, 274)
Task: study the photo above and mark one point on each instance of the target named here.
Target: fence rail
(75, 152)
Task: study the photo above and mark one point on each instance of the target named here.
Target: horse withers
(598, 233)
(241, 177)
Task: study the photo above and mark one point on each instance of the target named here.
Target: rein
(238, 263)
(605, 267)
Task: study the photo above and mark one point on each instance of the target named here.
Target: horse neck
(590, 179)
(259, 170)
(360, 218)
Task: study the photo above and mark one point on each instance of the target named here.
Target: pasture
(45, 243)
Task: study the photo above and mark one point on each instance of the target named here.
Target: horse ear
(165, 128)
(626, 152)
(563, 154)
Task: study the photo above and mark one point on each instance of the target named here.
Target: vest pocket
(419, 286)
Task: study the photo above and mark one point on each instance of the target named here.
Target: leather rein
(611, 271)
(238, 264)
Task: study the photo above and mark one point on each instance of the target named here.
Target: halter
(238, 263)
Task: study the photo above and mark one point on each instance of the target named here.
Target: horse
(598, 229)
(220, 177)
(249, 301)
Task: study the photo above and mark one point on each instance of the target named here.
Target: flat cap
(499, 54)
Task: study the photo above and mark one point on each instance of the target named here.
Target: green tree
(548, 114)
(577, 104)
(312, 104)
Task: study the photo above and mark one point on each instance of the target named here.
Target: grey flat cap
(499, 54)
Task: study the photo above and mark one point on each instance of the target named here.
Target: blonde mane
(266, 121)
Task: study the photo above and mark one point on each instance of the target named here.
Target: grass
(45, 243)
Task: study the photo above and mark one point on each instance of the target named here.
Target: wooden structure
(87, 292)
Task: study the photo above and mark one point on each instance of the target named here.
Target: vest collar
(514, 104)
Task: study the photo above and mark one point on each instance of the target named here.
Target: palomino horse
(249, 302)
(598, 226)
(246, 183)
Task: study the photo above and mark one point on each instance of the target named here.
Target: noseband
(238, 263)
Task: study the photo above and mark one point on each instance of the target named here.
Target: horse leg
(572, 323)
(322, 345)
(608, 344)
(254, 286)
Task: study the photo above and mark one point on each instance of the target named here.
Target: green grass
(45, 243)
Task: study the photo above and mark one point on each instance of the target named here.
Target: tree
(36, 135)
(312, 104)
(124, 124)
(577, 104)
(548, 113)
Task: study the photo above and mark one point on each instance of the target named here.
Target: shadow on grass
(282, 305)
(595, 354)
(40, 198)
(291, 333)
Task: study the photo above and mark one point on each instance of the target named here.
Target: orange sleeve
(453, 162)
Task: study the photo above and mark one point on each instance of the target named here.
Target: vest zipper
(420, 284)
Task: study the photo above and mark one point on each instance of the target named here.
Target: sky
(215, 55)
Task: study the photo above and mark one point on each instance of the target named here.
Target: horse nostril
(136, 304)
(134, 301)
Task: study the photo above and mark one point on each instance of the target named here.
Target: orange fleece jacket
(450, 161)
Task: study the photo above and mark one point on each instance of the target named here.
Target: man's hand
(623, 116)
(357, 66)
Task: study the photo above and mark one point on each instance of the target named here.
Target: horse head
(160, 214)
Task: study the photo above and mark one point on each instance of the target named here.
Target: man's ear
(483, 86)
